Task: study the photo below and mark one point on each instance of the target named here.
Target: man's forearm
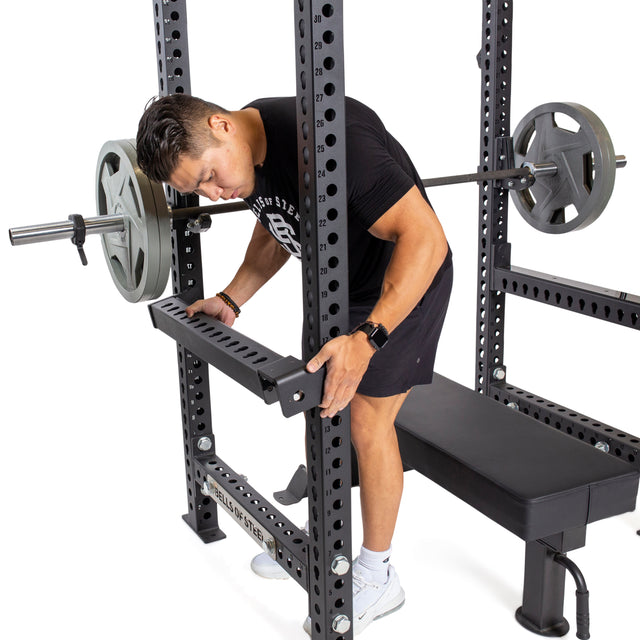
(263, 259)
(413, 265)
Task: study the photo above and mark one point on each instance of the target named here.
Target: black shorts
(408, 358)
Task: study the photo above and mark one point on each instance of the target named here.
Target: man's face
(225, 171)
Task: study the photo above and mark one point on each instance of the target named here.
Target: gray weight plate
(584, 155)
(139, 258)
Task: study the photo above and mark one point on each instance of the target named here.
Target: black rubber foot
(206, 535)
(555, 631)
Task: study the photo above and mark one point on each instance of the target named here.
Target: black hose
(582, 596)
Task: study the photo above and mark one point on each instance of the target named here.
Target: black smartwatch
(377, 334)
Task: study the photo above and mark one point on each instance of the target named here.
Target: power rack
(325, 570)
(320, 563)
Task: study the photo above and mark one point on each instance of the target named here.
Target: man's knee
(373, 420)
(365, 433)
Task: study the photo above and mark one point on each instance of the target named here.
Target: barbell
(553, 168)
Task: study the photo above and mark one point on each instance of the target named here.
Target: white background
(91, 465)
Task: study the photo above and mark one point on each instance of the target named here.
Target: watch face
(378, 337)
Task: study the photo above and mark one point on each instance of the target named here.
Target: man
(400, 278)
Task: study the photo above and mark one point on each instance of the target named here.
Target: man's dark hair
(170, 127)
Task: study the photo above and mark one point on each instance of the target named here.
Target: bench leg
(543, 595)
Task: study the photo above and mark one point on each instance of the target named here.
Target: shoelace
(359, 583)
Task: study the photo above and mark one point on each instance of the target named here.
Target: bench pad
(527, 476)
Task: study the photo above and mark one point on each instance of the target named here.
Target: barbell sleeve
(64, 230)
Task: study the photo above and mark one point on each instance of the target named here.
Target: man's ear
(220, 124)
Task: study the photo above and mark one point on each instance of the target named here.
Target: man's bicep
(411, 214)
(263, 245)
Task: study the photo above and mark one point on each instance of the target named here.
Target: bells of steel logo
(284, 233)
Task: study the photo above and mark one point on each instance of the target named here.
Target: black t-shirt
(379, 173)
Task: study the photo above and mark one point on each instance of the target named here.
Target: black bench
(539, 483)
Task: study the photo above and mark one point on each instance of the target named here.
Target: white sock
(375, 564)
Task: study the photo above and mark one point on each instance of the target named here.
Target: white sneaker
(370, 600)
(264, 565)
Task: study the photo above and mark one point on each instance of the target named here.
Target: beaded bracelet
(229, 302)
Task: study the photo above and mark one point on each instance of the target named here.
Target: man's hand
(347, 359)
(214, 307)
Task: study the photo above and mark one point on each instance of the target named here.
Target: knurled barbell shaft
(504, 174)
(212, 209)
